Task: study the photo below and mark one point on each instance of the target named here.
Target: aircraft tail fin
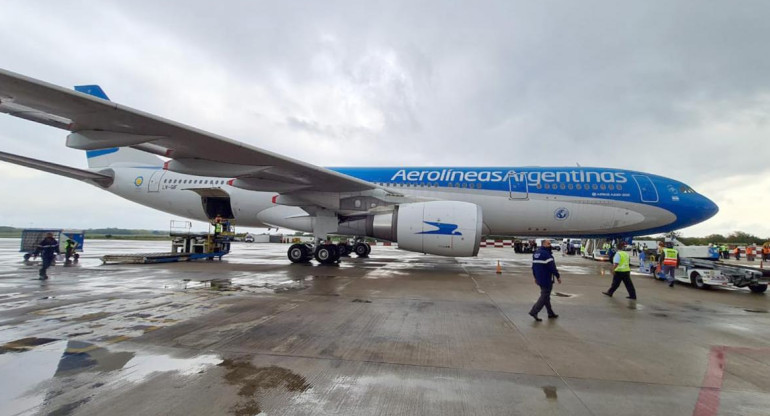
(123, 155)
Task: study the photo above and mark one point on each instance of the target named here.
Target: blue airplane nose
(707, 208)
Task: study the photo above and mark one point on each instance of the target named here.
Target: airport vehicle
(436, 210)
(706, 273)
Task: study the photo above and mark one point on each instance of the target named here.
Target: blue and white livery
(437, 210)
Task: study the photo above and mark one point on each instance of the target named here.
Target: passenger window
(620, 187)
(578, 186)
(611, 186)
(603, 187)
(570, 186)
(562, 186)
(594, 187)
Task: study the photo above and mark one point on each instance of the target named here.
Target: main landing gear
(326, 253)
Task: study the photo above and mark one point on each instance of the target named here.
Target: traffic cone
(499, 268)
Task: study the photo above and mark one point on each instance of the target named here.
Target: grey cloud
(674, 88)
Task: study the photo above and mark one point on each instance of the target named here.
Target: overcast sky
(675, 88)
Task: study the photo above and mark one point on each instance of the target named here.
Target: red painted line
(708, 398)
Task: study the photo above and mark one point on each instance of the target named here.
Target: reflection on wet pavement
(397, 333)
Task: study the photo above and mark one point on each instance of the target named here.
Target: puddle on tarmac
(25, 374)
(550, 392)
(21, 376)
(361, 301)
(756, 310)
(83, 356)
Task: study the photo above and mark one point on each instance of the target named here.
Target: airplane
(444, 211)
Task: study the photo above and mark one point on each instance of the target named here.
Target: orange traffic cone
(499, 268)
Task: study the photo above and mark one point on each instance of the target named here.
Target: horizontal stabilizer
(102, 179)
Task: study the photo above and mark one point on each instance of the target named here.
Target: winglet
(94, 90)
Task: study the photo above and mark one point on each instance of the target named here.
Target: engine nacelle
(445, 228)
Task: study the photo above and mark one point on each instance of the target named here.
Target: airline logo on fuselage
(532, 178)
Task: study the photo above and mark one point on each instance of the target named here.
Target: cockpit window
(686, 189)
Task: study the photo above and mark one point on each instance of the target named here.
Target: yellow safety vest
(670, 257)
(624, 264)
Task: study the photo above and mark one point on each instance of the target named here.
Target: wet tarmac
(396, 334)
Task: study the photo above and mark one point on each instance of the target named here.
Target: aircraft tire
(327, 254)
(758, 288)
(362, 249)
(298, 253)
(344, 249)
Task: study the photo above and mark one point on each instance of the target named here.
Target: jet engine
(445, 228)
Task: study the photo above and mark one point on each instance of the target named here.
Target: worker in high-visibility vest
(670, 261)
(750, 252)
(621, 267)
(766, 252)
(737, 252)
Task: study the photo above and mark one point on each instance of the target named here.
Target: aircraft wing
(102, 124)
(100, 178)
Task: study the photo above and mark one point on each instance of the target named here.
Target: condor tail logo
(442, 229)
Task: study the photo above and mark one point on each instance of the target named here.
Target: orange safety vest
(670, 259)
(749, 251)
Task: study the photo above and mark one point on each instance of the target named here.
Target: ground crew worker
(621, 267)
(766, 252)
(544, 270)
(69, 250)
(48, 248)
(724, 251)
(670, 261)
(750, 252)
(737, 252)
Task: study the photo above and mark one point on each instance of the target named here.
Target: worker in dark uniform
(544, 269)
(47, 249)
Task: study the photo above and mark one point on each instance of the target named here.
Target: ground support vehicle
(704, 274)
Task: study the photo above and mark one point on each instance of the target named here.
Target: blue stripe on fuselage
(578, 182)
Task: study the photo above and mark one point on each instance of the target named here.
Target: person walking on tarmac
(48, 248)
(621, 268)
(544, 270)
(670, 261)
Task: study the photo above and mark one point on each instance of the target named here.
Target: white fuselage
(176, 194)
